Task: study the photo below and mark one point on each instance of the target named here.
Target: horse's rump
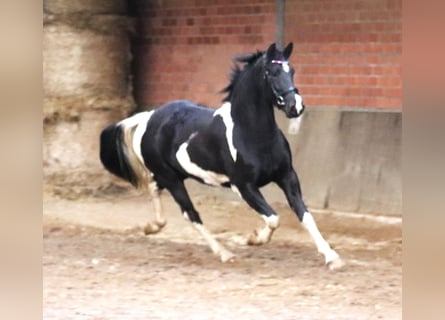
(120, 149)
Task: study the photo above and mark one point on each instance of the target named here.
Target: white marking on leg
(157, 204)
(322, 246)
(139, 120)
(272, 221)
(209, 177)
(225, 113)
(159, 222)
(265, 234)
(217, 248)
(298, 103)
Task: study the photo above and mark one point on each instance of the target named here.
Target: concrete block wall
(349, 159)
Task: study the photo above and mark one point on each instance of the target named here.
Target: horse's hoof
(154, 227)
(335, 264)
(227, 256)
(150, 229)
(252, 240)
(161, 223)
(255, 239)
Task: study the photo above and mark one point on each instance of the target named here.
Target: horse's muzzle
(293, 112)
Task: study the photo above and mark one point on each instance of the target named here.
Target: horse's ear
(271, 50)
(288, 50)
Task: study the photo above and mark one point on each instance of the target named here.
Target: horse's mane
(248, 60)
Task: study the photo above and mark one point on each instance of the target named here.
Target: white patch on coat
(139, 120)
(236, 190)
(224, 112)
(298, 102)
(209, 177)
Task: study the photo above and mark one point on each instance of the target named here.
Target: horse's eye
(276, 72)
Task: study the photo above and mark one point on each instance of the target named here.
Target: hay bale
(73, 146)
(81, 62)
(90, 6)
(86, 80)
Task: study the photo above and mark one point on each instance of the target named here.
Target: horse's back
(178, 120)
(180, 114)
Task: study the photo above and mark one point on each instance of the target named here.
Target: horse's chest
(269, 163)
(261, 165)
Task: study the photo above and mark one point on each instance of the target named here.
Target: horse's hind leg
(181, 196)
(160, 221)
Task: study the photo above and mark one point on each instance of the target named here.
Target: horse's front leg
(252, 195)
(291, 187)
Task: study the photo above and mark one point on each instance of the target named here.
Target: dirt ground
(97, 264)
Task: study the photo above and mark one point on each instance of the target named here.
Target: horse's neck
(252, 110)
(253, 117)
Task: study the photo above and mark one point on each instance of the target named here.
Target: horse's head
(279, 75)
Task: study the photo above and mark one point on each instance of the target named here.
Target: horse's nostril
(292, 112)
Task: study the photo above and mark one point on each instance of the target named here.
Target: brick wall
(347, 52)
(185, 47)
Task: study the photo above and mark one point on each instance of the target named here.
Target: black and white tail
(120, 149)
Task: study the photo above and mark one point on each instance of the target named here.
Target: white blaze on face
(298, 103)
(224, 113)
(286, 67)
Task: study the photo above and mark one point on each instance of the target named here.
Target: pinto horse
(238, 145)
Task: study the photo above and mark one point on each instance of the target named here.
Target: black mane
(248, 60)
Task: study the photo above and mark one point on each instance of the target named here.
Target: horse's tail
(118, 154)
